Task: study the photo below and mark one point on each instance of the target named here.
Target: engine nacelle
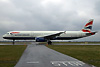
(40, 39)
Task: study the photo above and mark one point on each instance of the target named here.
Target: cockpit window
(11, 33)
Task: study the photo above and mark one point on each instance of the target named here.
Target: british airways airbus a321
(47, 36)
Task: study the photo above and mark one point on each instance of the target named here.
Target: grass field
(88, 53)
(79, 42)
(10, 54)
(23, 43)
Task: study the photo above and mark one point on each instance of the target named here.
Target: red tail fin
(88, 26)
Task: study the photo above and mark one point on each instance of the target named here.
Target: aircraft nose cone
(4, 36)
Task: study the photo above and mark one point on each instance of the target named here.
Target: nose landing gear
(49, 42)
(13, 41)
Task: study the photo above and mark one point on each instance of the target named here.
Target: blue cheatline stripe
(20, 38)
(33, 38)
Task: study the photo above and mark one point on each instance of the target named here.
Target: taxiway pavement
(42, 56)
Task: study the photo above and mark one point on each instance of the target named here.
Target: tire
(49, 43)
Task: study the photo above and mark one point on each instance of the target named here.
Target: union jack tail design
(88, 26)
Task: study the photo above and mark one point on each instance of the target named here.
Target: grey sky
(39, 15)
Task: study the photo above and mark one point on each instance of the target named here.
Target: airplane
(47, 36)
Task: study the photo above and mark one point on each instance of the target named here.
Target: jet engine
(40, 39)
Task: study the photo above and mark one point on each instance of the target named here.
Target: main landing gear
(49, 42)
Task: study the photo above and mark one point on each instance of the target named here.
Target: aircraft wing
(50, 36)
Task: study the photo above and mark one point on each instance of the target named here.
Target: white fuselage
(46, 36)
(19, 35)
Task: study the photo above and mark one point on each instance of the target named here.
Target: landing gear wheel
(49, 43)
